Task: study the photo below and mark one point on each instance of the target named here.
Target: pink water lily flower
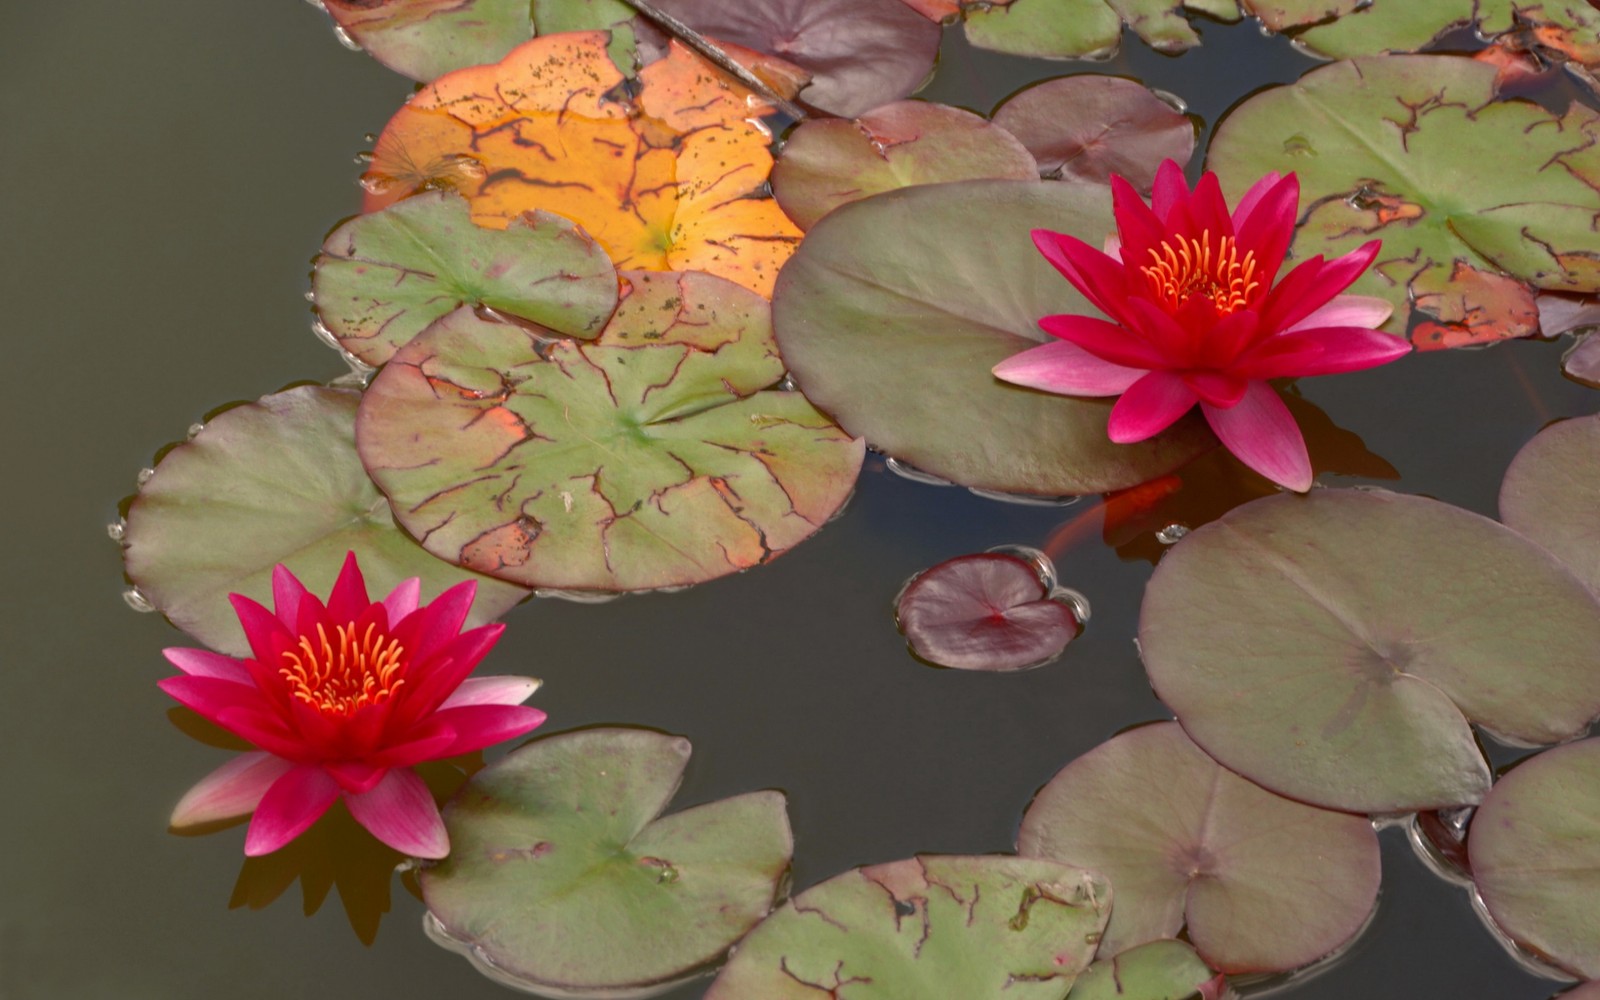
(341, 701)
(1196, 315)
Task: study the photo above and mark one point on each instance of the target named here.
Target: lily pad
(1283, 15)
(1535, 848)
(275, 481)
(895, 309)
(1571, 27)
(425, 39)
(1159, 970)
(985, 612)
(1334, 647)
(827, 162)
(1551, 493)
(648, 459)
(1073, 29)
(564, 875)
(1582, 362)
(1585, 991)
(929, 926)
(1478, 202)
(860, 53)
(1089, 127)
(382, 278)
(1263, 883)
(634, 41)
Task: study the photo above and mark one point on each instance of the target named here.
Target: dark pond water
(171, 168)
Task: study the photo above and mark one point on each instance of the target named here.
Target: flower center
(1195, 267)
(339, 675)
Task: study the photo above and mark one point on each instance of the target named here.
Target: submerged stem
(713, 52)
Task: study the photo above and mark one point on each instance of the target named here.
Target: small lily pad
(564, 875)
(989, 611)
(929, 926)
(424, 39)
(1159, 970)
(827, 162)
(382, 278)
(894, 310)
(275, 481)
(1334, 647)
(1552, 491)
(1263, 883)
(1478, 202)
(1090, 126)
(648, 459)
(1535, 849)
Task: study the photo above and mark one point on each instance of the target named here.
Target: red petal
(1102, 279)
(1299, 295)
(287, 590)
(1270, 228)
(402, 600)
(234, 789)
(356, 776)
(349, 595)
(1329, 350)
(1209, 209)
(399, 811)
(1150, 406)
(429, 684)
(263, 729)
(1169, 192)
(1247, 204)
(1068, 369)
(1215, 388)
(267, 635)
(205, 663)
(478, 726)
(289, 807)
(426, 631)
(211, 696)
(432, 741)
(1139, 229)
(1263, 435)
(1106, 341)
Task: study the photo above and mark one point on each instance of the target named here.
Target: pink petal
(1215, 388)
(1270, 227)
(1101, 279)
(1347, 310)
(1252, 198)
(1301, 294)
(1106, 341)
(233, 789)
(289, 807)
(1329, 350)
(1150, 406)
(399, 811)
(1066, 368)
(349, 595)
(287, 590)
(211, 696)
(402, 600)
(1263, 435)
(356, 776)
(1113, 247)
(478, 726)
(205, 663)
(507, 690)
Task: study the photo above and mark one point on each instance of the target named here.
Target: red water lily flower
(341, 701)
(1195, 317)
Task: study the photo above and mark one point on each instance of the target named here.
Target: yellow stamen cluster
(340, 675)
(1194, 267)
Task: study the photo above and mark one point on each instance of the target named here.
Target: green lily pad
(382, 278)
(1535, 849)
(1478, 203)
(1159, 970)
(1071, 29)
(564, 876)
(634, 41)
(1263, 883)
(1568, 26)
(425, 39)
(275, 481)
(894, 309)
(828, 162)
(1282, 15)
(648, 459)
(969, 927)
(1088, 127)
(1334, 647)
(1551, 493)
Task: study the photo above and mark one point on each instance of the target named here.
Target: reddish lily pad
(1582, 362)
(827, 162)
(1568, 27)
(1334, 647)
(1535, 849)
(1158, 970)
(1586, 991)
(564, 876)
(860, 53)
(1551, 493)
(1479, 203)
(895, 308)
(985, 612)
(382, 278)
(647, 459)
(1089, 127)
(929, 926)
(1263, 883)
(425, 39)
(275, 481)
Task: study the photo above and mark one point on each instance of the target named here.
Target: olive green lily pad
(564, 876)
(1552, 491)
(828, 162)
(894, 309)
(1570, 27)
(425, 39)
(1158, 970)
(1478, 203)
(1334, 647)
(1071, 29)
(1535, 849)
(634, 41)
(978, 928)
(648, 459)
(275, 481)
(382, 278)
(1281, 15)
(1263, 883)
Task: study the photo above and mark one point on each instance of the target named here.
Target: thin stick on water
(706, 47)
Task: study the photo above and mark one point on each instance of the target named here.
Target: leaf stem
(713, 52)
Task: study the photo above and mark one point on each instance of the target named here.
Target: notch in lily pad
(564, 878)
